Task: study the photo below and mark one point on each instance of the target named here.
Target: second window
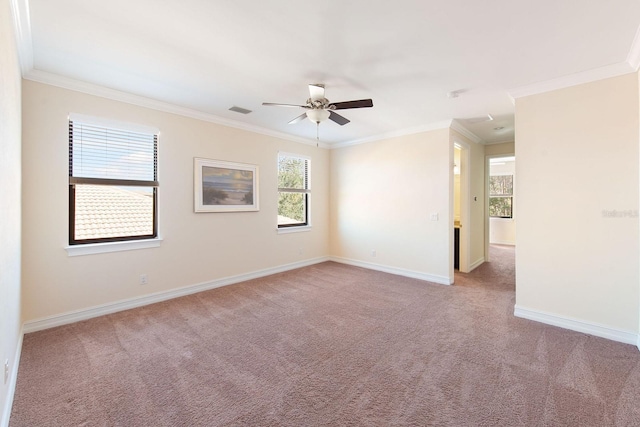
(294, 191)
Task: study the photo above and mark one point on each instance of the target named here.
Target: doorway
(501, 201)
(460, 208)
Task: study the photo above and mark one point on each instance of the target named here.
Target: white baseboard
(476, 264)
(443, 280)
(502, 242)
(602, 331)
(13, 379)
(88, 313)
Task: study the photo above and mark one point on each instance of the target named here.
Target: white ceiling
(210, 55)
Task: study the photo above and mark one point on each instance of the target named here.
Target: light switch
(434, 216)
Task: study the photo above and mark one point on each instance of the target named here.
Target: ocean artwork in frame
(221, 186)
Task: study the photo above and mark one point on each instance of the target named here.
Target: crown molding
(588, 76)
(458, 127)
(633, 59)
(22, 25)
(141, 101)
(445, 124)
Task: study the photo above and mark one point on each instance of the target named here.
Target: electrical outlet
(143, 279)
(6, 370)
(373, 253)
(300, 251)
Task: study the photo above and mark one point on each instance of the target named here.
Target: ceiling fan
(320, 108)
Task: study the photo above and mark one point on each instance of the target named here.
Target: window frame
(301, 226)
(501, 196)
(122, 242)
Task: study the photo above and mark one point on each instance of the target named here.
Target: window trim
(294, 229)
(106, 247)
(110, 244)
(297, 227)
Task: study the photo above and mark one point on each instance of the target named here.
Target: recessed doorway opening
(460, 208)
(501, 200)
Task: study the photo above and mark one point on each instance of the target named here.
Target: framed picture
(225, 186)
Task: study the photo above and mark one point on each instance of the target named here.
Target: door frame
(465, 204)
(487, 218)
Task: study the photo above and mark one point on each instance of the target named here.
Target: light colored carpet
(329, 345)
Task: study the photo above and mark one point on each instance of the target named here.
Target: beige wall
(10, 162)
(197, 248)
(500, 149)
(502, 231)
(577, 160)
(382, 196)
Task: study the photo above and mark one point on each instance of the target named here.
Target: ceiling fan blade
(361, 103)
(300, 118)
(338, 118)
(273, 104)
(316, 91)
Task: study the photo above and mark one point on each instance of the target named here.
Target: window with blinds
(501, 196)
(294, 190)
(113, 183)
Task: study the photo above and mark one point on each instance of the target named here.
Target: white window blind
(102, 153)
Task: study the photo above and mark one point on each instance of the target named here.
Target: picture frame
(221, 186)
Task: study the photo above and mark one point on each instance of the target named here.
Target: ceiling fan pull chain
(317, 133)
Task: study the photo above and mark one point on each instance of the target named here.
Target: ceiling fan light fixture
(318, 108)
(318, 115)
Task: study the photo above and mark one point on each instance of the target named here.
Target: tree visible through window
(293, 190)
(501, 196)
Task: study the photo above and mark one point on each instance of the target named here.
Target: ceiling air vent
(239, 110)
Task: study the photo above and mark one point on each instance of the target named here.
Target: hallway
(499, 274)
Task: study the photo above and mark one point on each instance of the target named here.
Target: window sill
(101, 248)
(287, 230)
